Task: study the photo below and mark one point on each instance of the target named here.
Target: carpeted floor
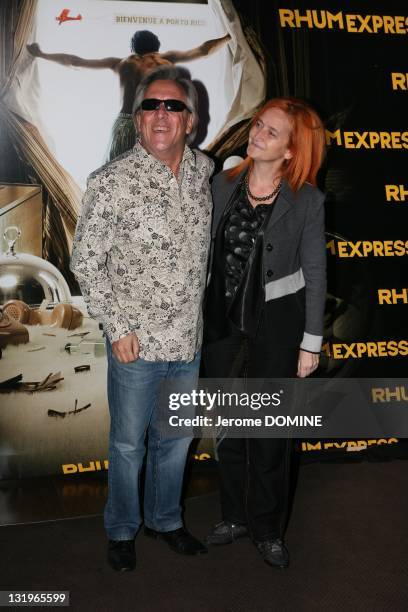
(347, 537)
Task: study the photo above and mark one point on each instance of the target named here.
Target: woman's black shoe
(274, 553)
(226, 532)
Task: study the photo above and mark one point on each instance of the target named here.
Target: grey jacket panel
(294, 255)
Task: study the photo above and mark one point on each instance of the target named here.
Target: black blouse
(240, 233)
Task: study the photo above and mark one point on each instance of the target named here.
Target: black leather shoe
(226, 532)
(178, 540)
(274, 553)
(121, 555)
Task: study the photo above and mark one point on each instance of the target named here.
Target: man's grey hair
(182, 77)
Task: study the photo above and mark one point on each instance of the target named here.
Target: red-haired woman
(265, 303)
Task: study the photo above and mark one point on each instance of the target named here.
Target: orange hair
(307, 142)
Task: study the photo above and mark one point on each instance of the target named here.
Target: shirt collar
(144, 156)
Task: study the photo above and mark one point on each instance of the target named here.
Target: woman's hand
(307, 363)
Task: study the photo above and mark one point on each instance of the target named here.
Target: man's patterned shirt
(140, 251)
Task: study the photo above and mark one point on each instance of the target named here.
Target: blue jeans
(132, 394)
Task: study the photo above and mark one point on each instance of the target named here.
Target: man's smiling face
(163, 133)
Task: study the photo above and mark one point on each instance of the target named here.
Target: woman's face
(269, 137)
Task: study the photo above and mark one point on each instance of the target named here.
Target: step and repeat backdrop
(349, 60)
(57, 111)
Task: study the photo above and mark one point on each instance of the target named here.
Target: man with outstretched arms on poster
(140, 254)
(145, 58)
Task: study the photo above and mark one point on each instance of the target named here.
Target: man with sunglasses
(140, 254)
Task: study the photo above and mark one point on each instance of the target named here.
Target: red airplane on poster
(64, 16)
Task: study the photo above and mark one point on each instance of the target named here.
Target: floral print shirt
(140, 251)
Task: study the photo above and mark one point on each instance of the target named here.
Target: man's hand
(307, 363)
(126, 349)
(34, 49)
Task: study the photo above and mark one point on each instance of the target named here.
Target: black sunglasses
(172, 106)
